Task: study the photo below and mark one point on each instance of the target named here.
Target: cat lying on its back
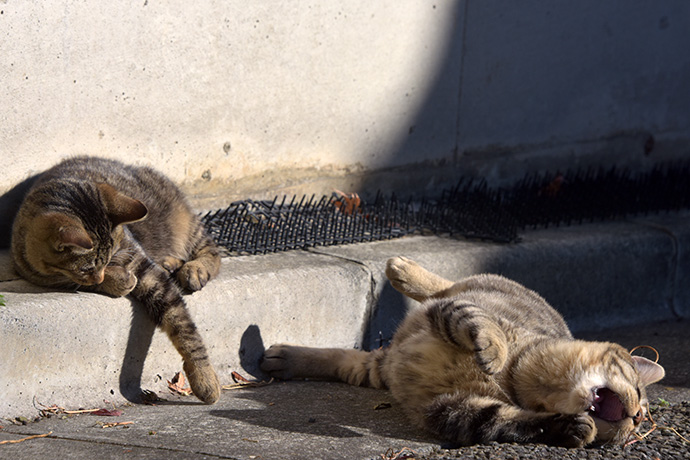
(486, 359)
(103, 226)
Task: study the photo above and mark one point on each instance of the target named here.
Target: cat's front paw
(171, 264)
(204, 381)
(193, 275)
(118, 281)
(567, 430)
(491, 351)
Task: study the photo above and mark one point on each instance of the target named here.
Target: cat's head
(73, 237)
(618, 401)
(597, 378)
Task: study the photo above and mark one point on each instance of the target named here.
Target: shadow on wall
(9, 205)
(538, 87)
(557, 97)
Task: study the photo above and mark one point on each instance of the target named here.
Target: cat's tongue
(607, 405)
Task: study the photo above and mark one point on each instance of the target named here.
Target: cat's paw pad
(171, 264)
(204, 382)
(193, 275)
(567, 430)
(277, 361)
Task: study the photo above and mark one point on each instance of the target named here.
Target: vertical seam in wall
(463, 49)
(372, 298)
(674, 264)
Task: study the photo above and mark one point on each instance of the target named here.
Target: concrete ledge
(77, 349)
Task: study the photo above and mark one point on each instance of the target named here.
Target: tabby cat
(103, 226)
(485, 359)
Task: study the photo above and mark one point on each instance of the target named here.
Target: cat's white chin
(613, 432)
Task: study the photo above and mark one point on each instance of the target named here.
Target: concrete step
(76, 349)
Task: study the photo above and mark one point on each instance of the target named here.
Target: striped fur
(486, 359)
(103, 226)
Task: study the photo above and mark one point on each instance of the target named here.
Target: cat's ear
(650, 372)
(121, 208)
(73, 237)
(62, 231)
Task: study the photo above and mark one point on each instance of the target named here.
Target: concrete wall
(235, 99)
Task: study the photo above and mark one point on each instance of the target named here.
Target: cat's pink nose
(98, 277)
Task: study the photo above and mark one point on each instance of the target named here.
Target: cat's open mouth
(606, 405)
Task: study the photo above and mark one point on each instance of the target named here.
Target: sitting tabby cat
(486, 359)
(99, 225)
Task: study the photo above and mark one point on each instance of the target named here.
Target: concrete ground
(300, 420)
(623, 281)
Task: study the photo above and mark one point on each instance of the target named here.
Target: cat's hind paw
(277, 361)
(409, 278)
(203, 381)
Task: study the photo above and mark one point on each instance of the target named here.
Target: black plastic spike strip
(471, 209)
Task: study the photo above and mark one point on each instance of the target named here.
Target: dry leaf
(238, 378)
(177, 385)
(241, 382)
(554, 187)
(347, 203)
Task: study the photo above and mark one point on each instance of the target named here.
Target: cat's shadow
(318, 408)
(252, 351)
(141, 333)
(9, 205)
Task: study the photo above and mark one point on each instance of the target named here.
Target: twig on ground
(36, 436)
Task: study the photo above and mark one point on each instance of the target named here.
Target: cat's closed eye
(86, 269)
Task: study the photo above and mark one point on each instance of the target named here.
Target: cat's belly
(421, 368)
